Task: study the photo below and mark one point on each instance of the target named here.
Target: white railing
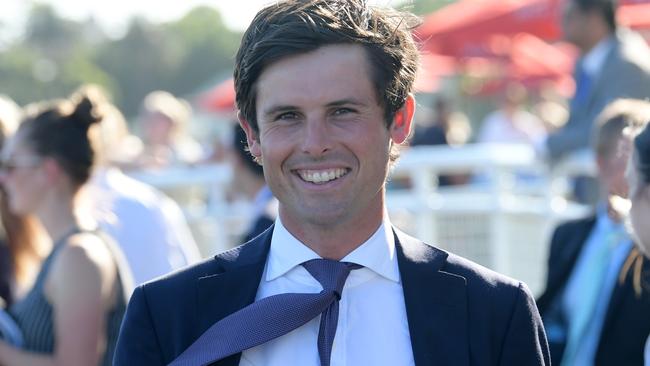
(502, 219)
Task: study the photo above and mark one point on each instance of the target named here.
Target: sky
(114, 15)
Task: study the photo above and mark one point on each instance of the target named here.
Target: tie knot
(331, 274)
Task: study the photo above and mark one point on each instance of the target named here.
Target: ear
(401, 127)
(251, 136)
(52, 170)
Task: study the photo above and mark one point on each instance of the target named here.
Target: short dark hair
(617, 117)
(606, 8)
(295, 27)
(60, 130)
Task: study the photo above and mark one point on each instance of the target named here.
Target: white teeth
(322, 176)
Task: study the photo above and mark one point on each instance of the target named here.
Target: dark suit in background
(626, 324)
(458, 313)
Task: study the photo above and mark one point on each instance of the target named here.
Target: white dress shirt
(147, 225)
(372, 325)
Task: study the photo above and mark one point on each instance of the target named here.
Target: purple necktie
(274, 316)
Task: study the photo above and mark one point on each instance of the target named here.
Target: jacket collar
(436, 304)
(436, 301)
(233, 285)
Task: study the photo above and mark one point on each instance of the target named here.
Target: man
(323, 89)
(148, 226)
(164, 121)
(614, 63)
(592, 312)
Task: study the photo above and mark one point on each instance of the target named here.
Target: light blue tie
(589, 296)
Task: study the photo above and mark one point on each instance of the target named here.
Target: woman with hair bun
(72, 314)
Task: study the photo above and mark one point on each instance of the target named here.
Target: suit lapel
(234, 286)
(569, 254)
(436, 304)
(620, 292)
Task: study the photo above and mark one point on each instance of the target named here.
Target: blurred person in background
(447, 127)
(591, 311)
(164, 123)
(638, 179)
(9, 117)
(149, 227)
(249, 180)
(511, 123)
(614, 63)
(72, 314)
(20, 253)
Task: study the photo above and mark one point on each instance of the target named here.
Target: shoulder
(183, 280)
(483, 283)
(83, 251)
(84, 266)
(633, 52)
(477, 278)
(574, 226)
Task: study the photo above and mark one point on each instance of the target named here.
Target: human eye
(343, 111)
(286, 116)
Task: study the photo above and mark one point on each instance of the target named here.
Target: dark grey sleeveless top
(34, 316)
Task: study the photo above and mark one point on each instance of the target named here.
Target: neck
(337, 240)
(57, 217)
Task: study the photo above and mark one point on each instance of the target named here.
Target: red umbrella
(461, 29)
(635, 15)
(557, 60)
(432, 68)
(517, 59)
(220, 98)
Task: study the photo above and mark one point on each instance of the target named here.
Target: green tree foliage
(206, 44)
(139, 62)
(56, 55)
(51, 60)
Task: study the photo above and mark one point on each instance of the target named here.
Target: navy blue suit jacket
(458, 312)
(626, 324)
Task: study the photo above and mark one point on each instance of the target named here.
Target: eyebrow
(348, 101)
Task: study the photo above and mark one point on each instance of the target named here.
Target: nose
(316, 139)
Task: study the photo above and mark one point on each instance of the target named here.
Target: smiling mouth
(322, 176)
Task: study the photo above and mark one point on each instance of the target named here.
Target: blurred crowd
(78, 232)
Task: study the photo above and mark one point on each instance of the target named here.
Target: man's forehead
(326, 68)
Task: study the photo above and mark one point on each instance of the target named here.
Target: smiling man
(324, 93)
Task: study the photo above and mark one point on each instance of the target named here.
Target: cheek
(640, 215)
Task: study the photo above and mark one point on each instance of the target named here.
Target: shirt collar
(377, 253)
(594, 60)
